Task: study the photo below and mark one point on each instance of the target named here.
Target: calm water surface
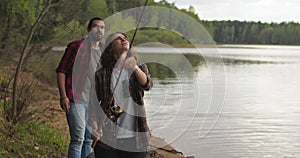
(248, 106)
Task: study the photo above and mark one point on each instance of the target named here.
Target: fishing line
(131, 42)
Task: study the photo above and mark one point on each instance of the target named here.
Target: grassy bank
(39, 133)
(31, 139)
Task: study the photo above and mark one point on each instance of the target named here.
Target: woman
(122, 130)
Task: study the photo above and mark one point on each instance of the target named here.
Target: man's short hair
(90, 25)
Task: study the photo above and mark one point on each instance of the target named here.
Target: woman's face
(120, 44)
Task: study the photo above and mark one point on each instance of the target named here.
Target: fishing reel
(116, 110)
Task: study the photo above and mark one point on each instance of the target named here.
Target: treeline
(237, 32)
(67, 21)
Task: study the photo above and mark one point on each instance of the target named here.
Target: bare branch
(24, 53)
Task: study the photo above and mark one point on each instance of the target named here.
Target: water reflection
(166, 66)
(261, 112)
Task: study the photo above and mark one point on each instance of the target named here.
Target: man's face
(97, 31)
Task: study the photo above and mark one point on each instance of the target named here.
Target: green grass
(32, 139)
(35, 138)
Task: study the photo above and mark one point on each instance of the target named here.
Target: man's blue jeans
(80, 144)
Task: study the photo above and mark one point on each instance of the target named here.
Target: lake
(229, 102)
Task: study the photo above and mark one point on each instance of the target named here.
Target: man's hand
(65, 104)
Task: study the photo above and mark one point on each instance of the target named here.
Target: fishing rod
(116, 108)
(131, 42)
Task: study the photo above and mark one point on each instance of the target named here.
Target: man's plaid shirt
(75, 64)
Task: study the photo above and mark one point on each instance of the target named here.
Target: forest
(66, 21)
(238, 32)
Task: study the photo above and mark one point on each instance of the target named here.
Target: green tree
(16, 16)
(265, 36)
(93, 8)
(33, 24)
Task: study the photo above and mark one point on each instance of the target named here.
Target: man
(75, 78)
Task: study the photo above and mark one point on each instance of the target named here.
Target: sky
(244, 10)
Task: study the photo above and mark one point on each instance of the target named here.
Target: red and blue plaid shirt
(75, 64)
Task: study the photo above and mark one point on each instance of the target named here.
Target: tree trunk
(24, 52)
